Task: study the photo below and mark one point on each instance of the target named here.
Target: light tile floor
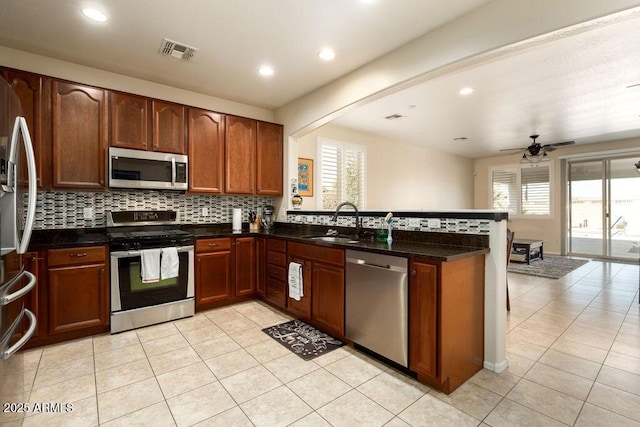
(573, 348)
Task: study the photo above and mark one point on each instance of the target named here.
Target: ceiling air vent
(394, 117)
(177, 50)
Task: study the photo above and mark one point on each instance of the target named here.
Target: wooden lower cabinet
(323, 277)
(328, 297)
(78, 289)
(261, 266)
(213, 278)
(245, 267)
(446, 321)
(225, 270)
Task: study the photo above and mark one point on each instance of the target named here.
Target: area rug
(302, 339)
(552, 267)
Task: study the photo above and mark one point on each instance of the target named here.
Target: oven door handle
(173, 171)
(123, 254)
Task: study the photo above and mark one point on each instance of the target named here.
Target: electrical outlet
(414, 222)
(205, 211)
(433, 223)
(87, 213)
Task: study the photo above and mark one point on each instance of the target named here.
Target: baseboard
(496, 367)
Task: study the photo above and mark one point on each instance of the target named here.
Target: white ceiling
(235, 38)
(571, 88)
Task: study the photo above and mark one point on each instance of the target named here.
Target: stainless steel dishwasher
(376, 307)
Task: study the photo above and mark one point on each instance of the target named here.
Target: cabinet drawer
(317, 253)
(276, 258)
(276, 292)
(213, 245)
(277, 245)
(76, 256)
(277, 273)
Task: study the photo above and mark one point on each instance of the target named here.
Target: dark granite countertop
(434, 246)
(51, 239)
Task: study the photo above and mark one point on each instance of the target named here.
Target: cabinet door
(79, 136)
(129, 121)
(269, 159)
(77, 298)
(169, 127)
(261, 264)
(423, 305)
(328, 297)
(206, 151)
(240, 149)
(29, 88)
(213, 278)
(303, 307)
(245, 267)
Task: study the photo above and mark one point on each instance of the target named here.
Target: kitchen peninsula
(439, 263)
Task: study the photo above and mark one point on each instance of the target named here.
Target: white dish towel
(170, 263)
(150, 265)
(296, 286)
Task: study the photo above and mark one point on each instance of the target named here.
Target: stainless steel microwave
(147, 170)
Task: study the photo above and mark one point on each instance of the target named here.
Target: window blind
(535, 191)
(505, 190)
(343, 170)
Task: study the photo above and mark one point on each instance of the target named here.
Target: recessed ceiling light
(466, 91)
(327, 54)
(266, 71)
(94, 14)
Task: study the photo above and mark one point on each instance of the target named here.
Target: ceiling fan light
(545, 158)
(637, 165)
(524, 159)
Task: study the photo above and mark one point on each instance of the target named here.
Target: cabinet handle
(144, 144)
(102, 182)
(78, 255)
(414, 272)
(213, 244)
(102, 270)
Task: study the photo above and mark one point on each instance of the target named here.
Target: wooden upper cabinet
(79, 121)
(130, 126)
(169, 127)
(240, 153)
(29, 88)
(206, 151)
(269, 159)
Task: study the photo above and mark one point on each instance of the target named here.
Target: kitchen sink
(335, 239)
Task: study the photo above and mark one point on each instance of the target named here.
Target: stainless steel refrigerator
(17, 213)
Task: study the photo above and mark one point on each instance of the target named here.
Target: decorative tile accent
(447, 225)
(55, 210)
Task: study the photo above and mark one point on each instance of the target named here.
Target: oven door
(128, 292)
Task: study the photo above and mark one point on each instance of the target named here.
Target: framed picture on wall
(305, 177)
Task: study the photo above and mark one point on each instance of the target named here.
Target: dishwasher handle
(366, 263)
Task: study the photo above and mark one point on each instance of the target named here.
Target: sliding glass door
(604, 208)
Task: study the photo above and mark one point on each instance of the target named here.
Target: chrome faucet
(355, 208)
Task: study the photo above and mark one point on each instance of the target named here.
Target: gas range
(135, 230)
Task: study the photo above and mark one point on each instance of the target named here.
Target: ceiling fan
(537, 152)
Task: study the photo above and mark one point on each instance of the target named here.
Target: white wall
(400, 176)
(549, 230)
(91, 76)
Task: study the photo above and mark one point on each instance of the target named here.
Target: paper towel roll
(237, 220)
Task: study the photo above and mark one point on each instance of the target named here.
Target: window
(342, 173)
(522, 190)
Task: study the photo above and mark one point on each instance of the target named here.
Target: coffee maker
(267, 217)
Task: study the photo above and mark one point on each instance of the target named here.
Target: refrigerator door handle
(21, 127)
(6, 299)
(26, 337)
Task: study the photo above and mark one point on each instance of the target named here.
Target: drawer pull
(213, 244)
(78, 255)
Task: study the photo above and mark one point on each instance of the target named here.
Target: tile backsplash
(56, 210)
(442, 225)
